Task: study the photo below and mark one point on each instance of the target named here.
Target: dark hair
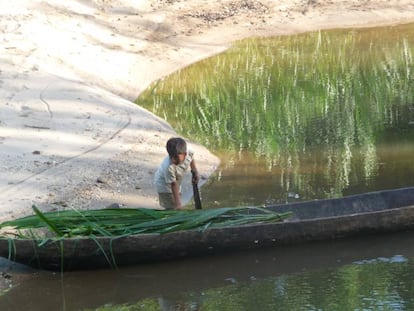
(176, 146)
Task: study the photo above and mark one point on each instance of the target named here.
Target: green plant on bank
(124, 222)
(339, 92)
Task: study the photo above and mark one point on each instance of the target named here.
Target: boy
(169, 175)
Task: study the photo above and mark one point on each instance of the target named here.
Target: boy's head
(177, 149)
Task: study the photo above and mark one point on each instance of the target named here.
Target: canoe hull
(104, 252)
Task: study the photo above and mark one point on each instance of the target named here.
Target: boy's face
(179, 158)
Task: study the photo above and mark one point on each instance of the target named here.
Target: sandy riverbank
(69, 133)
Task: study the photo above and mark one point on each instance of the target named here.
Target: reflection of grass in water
(352, 286)
(281, 97)
(377, 284)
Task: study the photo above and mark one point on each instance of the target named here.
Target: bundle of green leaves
(127, 221)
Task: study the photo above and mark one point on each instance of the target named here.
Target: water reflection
(367, 273)
(314, 115)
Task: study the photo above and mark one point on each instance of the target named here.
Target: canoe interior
(355, 204)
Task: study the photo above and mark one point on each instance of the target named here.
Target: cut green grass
(123, 222)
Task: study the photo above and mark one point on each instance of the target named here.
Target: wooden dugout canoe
(368, 213)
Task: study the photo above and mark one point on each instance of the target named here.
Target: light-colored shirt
(169, 172)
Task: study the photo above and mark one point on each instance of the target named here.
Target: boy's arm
(176, 194)
(194, 172)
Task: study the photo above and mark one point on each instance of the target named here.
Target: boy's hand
(195, 178)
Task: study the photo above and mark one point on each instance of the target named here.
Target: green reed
(127, 221)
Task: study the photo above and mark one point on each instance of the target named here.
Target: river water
(309, 116)
(366, 273)
(300, 117)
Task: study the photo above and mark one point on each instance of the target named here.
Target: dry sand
(70, 135)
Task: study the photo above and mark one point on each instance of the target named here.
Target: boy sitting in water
(169, 175)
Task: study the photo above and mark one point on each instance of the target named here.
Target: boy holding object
(169, 175)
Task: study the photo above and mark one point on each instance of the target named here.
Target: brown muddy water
(366, 273)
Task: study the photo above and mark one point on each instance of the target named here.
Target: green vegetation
(123, 222)
(312, 107)
(270, 95)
